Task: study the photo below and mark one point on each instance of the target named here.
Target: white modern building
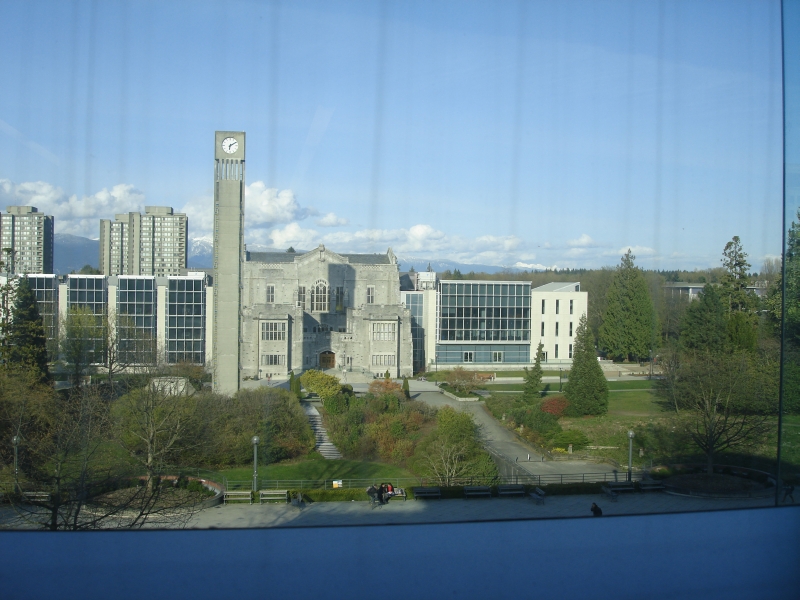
(153, 243)
(490, 325)
(28, 236)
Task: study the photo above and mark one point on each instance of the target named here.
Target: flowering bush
(555, 405)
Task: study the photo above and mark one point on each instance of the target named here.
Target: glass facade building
(88, 296)
(186, 320)
(136, 319)
(472, 315)
(45, 288)
(414, 302)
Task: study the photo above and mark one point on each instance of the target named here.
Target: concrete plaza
(397, 512)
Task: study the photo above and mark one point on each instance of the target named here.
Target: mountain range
(72, 252)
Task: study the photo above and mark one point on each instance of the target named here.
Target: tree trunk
(710, 464)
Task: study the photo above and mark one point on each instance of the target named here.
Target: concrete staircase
(323, 445)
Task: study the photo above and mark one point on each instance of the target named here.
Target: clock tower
(228, 255)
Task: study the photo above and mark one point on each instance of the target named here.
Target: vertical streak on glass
(659, 130)
(68, 149)
(790, 42)
(90, 62)
(123, 93)
(516, 134)
(274, 64)
(374, 202)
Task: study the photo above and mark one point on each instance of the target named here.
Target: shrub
(555, 405)
(337, 404)
(534, 419)
(577, 438)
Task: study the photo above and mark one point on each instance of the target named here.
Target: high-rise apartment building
(153, 243)
(27, 235)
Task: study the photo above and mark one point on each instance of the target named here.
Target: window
(383, 360)
(570, 306)
(469, 357)
(556, 329)
(570, 350)
(570, 329)
(542, 334)
(301, 297)
(542, 306)
(383, 332)
(557, 302)
(273, 331)
(319, 296)
(555, 353)
(269, 360)
(370, 294)
(497, 357)
(270, 294)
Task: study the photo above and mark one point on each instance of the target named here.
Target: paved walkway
(323, 514)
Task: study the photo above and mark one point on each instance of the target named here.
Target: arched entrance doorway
(327, 360)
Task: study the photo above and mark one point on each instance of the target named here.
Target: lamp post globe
(630, 455)
(255, 441)
(15, 442)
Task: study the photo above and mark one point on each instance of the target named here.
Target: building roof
(289, 257)
(559, 286)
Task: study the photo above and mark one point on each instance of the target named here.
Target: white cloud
(637, 251)
(295, 236)
(269, 206)
(531, 266)
(331, 220)
(77, 216)
(585, 241)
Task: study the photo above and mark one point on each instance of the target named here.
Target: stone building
(323, 310)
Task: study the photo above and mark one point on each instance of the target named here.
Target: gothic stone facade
(322, 310)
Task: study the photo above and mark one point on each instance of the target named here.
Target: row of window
(570, 329)
(273, 331)
(269, 360)
(558, 306)
(383, 360)
(320, 301)
(383, 332)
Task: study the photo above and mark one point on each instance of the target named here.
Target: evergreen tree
(406, 389)
(703, 326)
(629, 321)
(531, 389)
(735, 279)
(791, 278)
(586, 389)
(26, 343)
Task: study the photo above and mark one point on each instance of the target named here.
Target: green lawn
(552, 387)
(317, 468)
(635, 403)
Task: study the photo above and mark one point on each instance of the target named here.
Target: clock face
(230, 145)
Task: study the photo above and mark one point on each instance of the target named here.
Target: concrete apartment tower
(228, 257)
(150, 244)
(29, 234)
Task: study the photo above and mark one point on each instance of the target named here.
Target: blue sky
(504, 133)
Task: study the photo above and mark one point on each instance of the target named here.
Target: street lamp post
(630, 456)
(255, 441)
(15, 442)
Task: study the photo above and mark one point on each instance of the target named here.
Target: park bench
(36, 496)
(611, 494)
(273, 495)
(477, 490)
(511, 490)
(427, 492)
(650, 485)
(621, 486)
(398, 493)
(227, 496)
(538, 494)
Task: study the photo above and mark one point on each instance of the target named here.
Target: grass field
(316, 467)
(550, 388)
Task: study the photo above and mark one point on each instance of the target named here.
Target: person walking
(596, 510)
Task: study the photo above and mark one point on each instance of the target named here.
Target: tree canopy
(25, 344)
(629, 322)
